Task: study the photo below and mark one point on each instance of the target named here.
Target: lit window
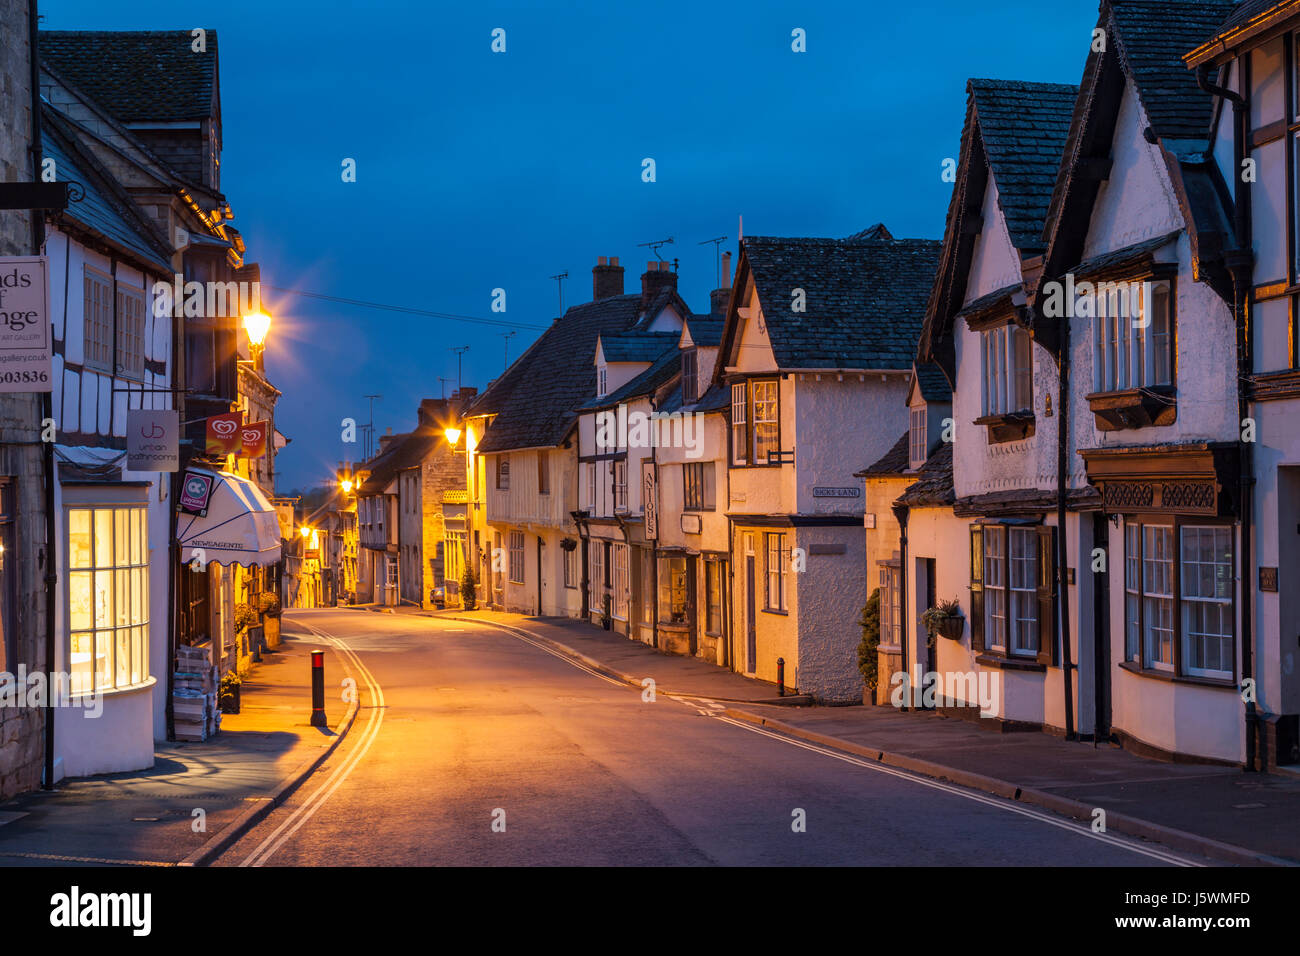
(672, 590)
(777, 559)
(108, 596)
(622, 582)
(516, 557)
(766, 422)
(739, 424)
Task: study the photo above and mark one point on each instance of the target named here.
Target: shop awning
(240, 526)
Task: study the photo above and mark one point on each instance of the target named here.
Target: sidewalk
(1221, 812)
(147, 818)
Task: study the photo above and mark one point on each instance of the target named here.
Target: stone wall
(21, 728)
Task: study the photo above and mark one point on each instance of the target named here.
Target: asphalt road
(474, 746)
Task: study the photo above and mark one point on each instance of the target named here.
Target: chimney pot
(657, 276)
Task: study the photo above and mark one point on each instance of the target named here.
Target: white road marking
(302, 814)
(991, 801)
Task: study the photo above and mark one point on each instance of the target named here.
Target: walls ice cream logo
(223, 434)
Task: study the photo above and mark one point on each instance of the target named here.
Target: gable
(994, 263)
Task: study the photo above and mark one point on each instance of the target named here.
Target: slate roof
(535, 401)
(878, 231)
(865, 298)
(706, 330)
(137, 75)
(893, 462)
(1023, 127)
(933, 383)
(105, 208)
(659, 373)
(1254, 17)
(934, 486)
(636, 346)
(1153, 36)
(1138, 251)
(406, 451)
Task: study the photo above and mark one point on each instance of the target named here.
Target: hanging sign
(223, 434)
(253, 439)
(25, 330)
(196, 489)
(153, 439)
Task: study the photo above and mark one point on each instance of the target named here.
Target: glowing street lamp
(453, 434)
(257, 324)
(304, 531)
(346, 485)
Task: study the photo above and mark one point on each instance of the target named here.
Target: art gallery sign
(25, 331)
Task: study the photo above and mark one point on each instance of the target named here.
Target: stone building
(22, 508)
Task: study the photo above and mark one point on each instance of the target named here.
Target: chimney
(430, 412)
(385, 440)
(720, 298)
(657, 276)
(606, 278)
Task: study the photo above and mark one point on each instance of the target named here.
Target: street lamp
(257, 324)
(453, 435)
(304, 531)
(346, 485)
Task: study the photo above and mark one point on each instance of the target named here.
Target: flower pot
(230, 700)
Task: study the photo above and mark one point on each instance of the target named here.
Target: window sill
(115, 691)
(1134, 408)
(773, 610)
(1011, 426)
(682, 626)
(1171, 678)
(989, 659)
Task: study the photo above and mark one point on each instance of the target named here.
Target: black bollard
(318, 689)
(780, 677)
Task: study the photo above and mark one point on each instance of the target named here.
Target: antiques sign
(25, 330)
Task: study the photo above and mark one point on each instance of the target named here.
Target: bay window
(1180, 610)
(1007, 361)
(755, 422)
(108, 596)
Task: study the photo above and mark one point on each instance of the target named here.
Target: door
(693, 616)
(751, 636)
(1101, 629)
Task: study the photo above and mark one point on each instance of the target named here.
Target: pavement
(197, 795)
(1221, 812)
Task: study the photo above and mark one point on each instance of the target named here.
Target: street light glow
(256, 324)
(346, 484)
(304, 530)
(452, 433)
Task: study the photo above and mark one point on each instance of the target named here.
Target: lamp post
(257, 324)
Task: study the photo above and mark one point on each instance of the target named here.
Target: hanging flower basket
(945, 619)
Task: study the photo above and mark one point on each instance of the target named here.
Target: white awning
(240, 527)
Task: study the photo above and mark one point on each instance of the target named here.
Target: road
(475, 746)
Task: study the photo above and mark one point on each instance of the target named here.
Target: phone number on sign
(11, 377)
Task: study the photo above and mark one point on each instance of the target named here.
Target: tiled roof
(934, 486)
(105, 207)
(893, 462)
(636, 346)
(878, 231)
(1143, 251)
(706, 330)
(933, 383)
(667, 365)
(536, 399)
(406, 451)
(864, 299)
(1023, 127)
(1152, 37)
(1250, 19)
(137, 75)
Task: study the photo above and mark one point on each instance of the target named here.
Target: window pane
(103, 658)
(139, 647)
(123, 657)
(140, 539)
(79, 599)
(81, 651)
(79, 555)
(104, 598)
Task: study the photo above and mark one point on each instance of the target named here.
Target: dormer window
(917, 442)
(690, 372)
(602, 382)
(1131, 337)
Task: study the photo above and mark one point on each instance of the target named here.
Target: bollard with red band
(780, 677)
(318, 689)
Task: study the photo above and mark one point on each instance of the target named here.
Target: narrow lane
(475, 726)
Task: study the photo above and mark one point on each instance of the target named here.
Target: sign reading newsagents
(25, 332)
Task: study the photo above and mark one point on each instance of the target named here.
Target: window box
(1134, 407)
(1009, 426)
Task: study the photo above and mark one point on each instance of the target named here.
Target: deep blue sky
(478, 170)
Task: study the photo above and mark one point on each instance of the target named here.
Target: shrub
(468, 584)
(868, 662)
(268, 602)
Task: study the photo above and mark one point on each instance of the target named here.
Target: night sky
(478, 170)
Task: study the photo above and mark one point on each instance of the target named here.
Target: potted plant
(945, 619)
(268, 602)
(228, 694)
(468, 586)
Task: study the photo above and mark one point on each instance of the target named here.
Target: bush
(268, 602)
(868, 661)
(468, 585)
(245, 617)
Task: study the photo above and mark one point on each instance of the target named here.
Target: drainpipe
(1062, 548)
(901, 512)
(580, 519)
(47, 411)
(1239, 262)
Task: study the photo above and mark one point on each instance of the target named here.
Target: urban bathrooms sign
(153, 439)
(25, 333)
